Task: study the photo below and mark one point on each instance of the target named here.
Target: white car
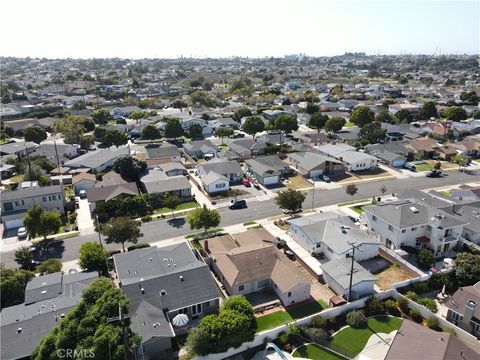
(22, 233)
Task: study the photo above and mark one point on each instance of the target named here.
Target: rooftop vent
(142, 290)
(62, 316)
(43, 292)
(181, 278)
(414, 209)
(163, 292)
(19, 330)
(165, 259)
(151, 259)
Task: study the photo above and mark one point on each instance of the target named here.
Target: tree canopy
(335, 124)
(290, 200)
(195, 130)
(362, 115)
(467, 268)
(50, 266)
(12, 285)
(35, 134)
(101, 116)
(223, 132)
(171, 201)
(318, 121)
(150, 132)
(384, 116)
(312, 108)
(92, 257)
(372, 132)
(24, 256)
(121, 230)
(428, 110)
(85, 326)
(241, 112)
(173, 128)
(455, 113)
(403, 116)
(351, 189)
(129, 167)
(73, 127)
(37, 221)
(253, 125)
(203, 218)
(286, 123)
(115, 137)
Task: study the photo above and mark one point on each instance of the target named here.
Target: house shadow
(176, 222)
(48, 249)
(305, 308)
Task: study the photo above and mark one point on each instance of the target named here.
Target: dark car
(434, 173)
(238, 204)
(410, 166)
(289, 254)
(238, 136)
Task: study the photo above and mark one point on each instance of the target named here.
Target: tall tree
(203, 218)
(171, 201)
(93, 257)
(121, 230)
(384, 116)
(72, 128)
(372, 132)
(290, 200)
(241, 112)
(12, 285)
(312, 108)
(335, 124)
(24, 257)
(224, 132)
(150, 132)
(50, 266)
(318, 121)
(115, 137)
(428, 110)
(195, 130)
(35, 134)
(86, 141)
(129, 167)
(362, 115)
(285, 124)
(253, 125)
(173, 129)
(101, 116)
(455, 113)
(37, 221)
(467, 268)
(403, 116)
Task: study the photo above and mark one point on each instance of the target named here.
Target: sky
(224, 28)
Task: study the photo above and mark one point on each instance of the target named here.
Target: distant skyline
(246, 28)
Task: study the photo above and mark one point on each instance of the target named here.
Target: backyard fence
(392, 256)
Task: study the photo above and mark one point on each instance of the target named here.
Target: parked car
(238, 136)
(410, 166)
(296, 211)
(246, 182)
(238, 204)
(22, 233)
(83, 194)
(434, 173)
(325, 178)
(289, 254)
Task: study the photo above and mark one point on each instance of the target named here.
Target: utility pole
(101, 243)
(313, 195)
(121, 318)
(354, 247)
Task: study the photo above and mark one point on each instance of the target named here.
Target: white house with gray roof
(217, 174)
(354, 160)
(158, 182)
(413, 223)
(330, 234)
(97, 160)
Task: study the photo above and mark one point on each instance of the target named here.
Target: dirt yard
(298, 182)
(390, 276)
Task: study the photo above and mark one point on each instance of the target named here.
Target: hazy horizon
(226, 29)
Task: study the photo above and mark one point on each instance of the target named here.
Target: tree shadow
(48, 249)
(176, 222)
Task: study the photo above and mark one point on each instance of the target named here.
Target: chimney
(205, 244)
(470, 306)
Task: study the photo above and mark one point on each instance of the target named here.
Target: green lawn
(446, 193)
(424, 167)
(354, 340)
(249, 223)
(280, 317)
(316, 352)
(358, 209)
(351, 202)
(349, 124)
(182, 206)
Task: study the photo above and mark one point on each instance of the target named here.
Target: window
(414, 229)
(241, 288)
(59, 197)
(289, 294)
(448, 232)
(17, 203)
(7, 206)
(23, 202)
(404, 231)
(476, 327)
(456, 316)
(390, 227)
(219, 186)
(374, 218)
(44, 198)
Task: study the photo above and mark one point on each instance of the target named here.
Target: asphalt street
(165, 229)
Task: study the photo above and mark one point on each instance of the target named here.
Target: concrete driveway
(84, 220)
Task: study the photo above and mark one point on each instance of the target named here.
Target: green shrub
(146, 218)
(319, 322)
(425, 258)
(294, 334)
(138, 246)
(113, 252)
(391, 306)
(420, 287)
(433, 323)
(402, 304)
(283, 340)
(430, 304)
(356, 319)
(412, 295)
(415, 314)
(315, 334)
(374, 306)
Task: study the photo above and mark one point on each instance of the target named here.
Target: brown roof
(106, 193)
(458, 300)
(61, 170)
(111, 178)
(468, 145)
(83, 176)
(249, 258)
(449, 150)
(414, 341)
(424, 144)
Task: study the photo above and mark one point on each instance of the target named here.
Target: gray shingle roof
(97, 158)
(31, 192)
(339, 270)
(169, 183)
(220, 166)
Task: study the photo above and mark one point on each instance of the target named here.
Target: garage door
(13, 224)
(271, 180)
(315, 173)
(398, 163)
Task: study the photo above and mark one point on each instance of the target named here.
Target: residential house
(83, 181)
(16, 203)
(447, 152)
(413, 109)
(111, 178)
(200, 148)
(56, 151)
(187, 122)
(124, 111)
(173, 169)
(6, 170)
(469, 147)
(390, 158)
(331, 235)
(312, 165)
(313, 139)
(224, 123)
(463, 310)
(413, 223)
(48, 298)
(251, 263)
(158, 182)
(246, 148)
(354, 160)
(98, 160)
(470, 214)
(337, 272)
(424, 148)
(160, 283)
(159, 154)
(19, 125)
(414, 341)
(17, 149)
(268, 170)
(217, 174)
(348, 133)
(106, 193)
